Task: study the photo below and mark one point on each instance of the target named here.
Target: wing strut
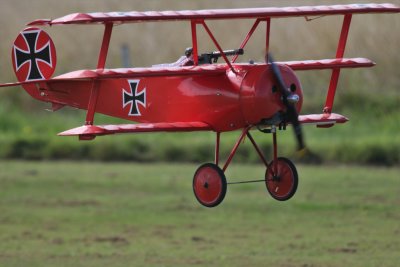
(104, 46)
(195, 53)
(267, 34)
(91, 109)
(211, 35)
(247, 38)
(336, 72)
(250, 33)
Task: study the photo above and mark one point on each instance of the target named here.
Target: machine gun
(209, 58)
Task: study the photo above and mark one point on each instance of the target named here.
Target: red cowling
(259, 95)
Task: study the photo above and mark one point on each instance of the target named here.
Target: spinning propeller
(289, 99)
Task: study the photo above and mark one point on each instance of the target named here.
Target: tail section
(34, 61)
(33, 55)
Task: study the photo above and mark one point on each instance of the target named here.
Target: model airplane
(195, 93)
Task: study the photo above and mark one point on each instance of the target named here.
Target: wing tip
(83, 130)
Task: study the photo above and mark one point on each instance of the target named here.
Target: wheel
(209, 185)
(283, 185)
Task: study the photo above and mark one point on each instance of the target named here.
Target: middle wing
(336, 63)
(142, 72)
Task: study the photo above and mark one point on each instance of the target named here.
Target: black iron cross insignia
(33, 55)
(133, 97)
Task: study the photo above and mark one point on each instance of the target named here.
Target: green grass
(97, 214)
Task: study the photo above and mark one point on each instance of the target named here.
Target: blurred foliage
(370, 97)
(370, 137)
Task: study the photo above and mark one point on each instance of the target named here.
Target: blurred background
(369, 97)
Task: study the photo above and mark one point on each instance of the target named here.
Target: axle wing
(324, 120)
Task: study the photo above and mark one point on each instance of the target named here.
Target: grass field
(96, 214)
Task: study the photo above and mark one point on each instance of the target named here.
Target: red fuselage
(224, 100)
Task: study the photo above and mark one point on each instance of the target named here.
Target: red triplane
(195, 93)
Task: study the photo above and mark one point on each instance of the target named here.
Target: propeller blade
(293, 117)
(291, 111)
(278, 78)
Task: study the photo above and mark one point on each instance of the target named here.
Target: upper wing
(245, 13)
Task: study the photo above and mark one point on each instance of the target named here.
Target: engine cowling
(260, 98)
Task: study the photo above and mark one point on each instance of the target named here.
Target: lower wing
(89, 132)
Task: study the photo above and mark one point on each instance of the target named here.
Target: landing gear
(209, 185)
(281, 179)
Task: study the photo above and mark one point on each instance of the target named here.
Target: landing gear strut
(281, 177)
